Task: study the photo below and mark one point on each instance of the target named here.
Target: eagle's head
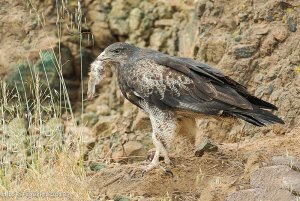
(114, 55)
(117, 53)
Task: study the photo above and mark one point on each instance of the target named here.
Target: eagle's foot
(167, 171)
(150, 155)
(149, 167)
(168, 161)
(164, 157)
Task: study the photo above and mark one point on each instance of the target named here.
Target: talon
(143, 172)
(168, 171)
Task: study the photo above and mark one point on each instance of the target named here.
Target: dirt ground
(211, 177)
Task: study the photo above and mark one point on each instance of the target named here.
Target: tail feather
(261, 103)
(257, 116)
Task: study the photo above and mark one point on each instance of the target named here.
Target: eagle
(167, 87)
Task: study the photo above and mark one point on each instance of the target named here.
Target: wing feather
(169, 88)
(190, 67)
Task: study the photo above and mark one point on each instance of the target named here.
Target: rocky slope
(253, 42)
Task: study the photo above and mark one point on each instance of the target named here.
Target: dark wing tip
(261, 103)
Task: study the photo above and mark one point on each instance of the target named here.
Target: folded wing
(184, 84)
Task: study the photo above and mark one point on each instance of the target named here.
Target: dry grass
(65, 179)
(38, 159)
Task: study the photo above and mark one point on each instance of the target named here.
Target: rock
(118, 18)
(252, 164)
(295, 59)
(89, 118)
(159, 38)
(119, 27)
(123, 125)
(273, 177)
(207, 196)
(200, 7)
(134, 148)
(292, 25)
(245, 51)
(129, 109)
(243, 17)
(141, 121)
(290, 161)
(206, 146)
(162, 10)
(187, 39)
(97, 16)
(261, 29)
(121, 198)
(73, 133)
(117, 155)
(87, 135)
(285, 5)
(105, 126)
(164, 22)
(133, 3)
(262, 194)
(258, 78)
(215, 49)
(103, 110)
(100, 150)
(102, 35)
(119, 9)
(97, 166)
(280, 33)
(209, 5)
(135, 17)
(268, 45)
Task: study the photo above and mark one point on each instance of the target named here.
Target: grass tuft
(37, 155)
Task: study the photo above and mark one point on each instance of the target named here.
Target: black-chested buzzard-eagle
(166, 86)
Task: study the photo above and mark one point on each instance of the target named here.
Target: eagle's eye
(116, 51)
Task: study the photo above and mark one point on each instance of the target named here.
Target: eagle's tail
(257, 116)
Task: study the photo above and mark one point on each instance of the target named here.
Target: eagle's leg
(164, 130)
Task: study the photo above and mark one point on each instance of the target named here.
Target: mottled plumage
(165, 86)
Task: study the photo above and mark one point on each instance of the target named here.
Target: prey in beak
(96, 74)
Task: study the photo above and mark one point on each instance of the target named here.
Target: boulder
(134, 148)
(262, 194)
(206, 146)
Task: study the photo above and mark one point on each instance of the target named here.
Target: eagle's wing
(167, 88)
(174, 83)
(194, 70)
